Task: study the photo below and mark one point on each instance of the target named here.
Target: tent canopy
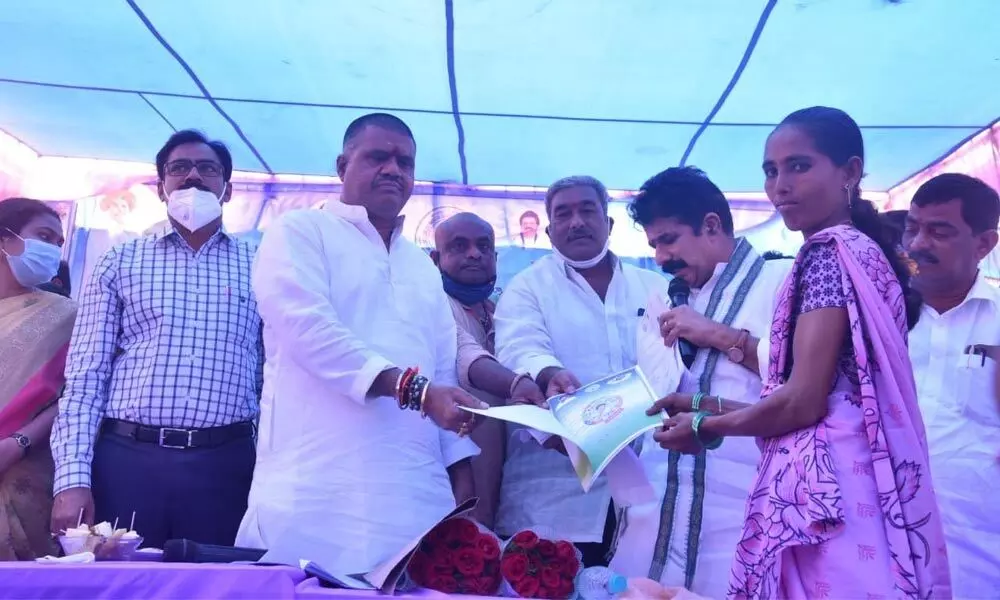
(517, 92)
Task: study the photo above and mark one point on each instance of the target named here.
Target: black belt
(173, 437)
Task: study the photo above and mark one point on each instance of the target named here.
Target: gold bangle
(396, 392)
(517, 379)
(423, 396)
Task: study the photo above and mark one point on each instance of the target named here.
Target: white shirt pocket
(974, 390)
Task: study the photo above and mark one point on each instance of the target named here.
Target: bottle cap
(617, 584)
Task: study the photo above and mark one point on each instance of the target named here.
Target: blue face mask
(37, 264)
(468, 295)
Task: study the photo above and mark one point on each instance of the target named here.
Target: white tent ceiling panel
(519, 92)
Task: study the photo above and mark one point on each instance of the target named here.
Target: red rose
(442, 562)
(487, 546)
(526, 540)
(550, 577)
(469, 562)
(565, 589)
(565, 550)
(514, 567)
(527, 587)
(546, 549)
(465, 531)
(443, 583)
(569, 567)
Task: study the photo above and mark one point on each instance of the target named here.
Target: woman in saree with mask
(35, 330)
(843, 505)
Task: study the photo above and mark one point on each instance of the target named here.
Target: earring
(850, 196)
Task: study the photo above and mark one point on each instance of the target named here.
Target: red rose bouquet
(458, 556)
(538, 568)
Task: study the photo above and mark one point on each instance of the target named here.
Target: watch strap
(738, 350)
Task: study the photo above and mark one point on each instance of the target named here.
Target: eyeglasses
(206, 168)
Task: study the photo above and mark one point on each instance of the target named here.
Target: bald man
(466, 255)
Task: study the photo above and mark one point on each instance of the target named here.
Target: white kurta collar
(358, 216)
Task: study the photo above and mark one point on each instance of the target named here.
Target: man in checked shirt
(165, 369)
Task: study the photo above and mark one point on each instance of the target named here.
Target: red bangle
(404, 382)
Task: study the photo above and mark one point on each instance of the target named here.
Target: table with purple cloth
(174, 581)
(148, 581)
(311, 590)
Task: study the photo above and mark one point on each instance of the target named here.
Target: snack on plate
(78, 531)
(78, 540)
(106, 542)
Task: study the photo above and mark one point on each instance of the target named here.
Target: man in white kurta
(569, 318)
(688, 535)
(346, 303)
(950, 227)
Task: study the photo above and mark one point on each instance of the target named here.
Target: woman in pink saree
(35, 329)
(843, 505)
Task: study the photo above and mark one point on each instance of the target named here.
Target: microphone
(679, 291)
(188, 551)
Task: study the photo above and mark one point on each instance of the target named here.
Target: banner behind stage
(518, 218)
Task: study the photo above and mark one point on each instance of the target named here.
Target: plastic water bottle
(600, 583)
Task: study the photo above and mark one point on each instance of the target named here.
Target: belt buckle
(166, 430)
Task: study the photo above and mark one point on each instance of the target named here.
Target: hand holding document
(596, 422)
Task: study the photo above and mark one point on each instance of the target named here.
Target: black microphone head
(678, 288)
(177, 551)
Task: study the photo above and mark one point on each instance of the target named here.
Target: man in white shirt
(688, 535)
(950, 228)
(568, 318)
(350, 309)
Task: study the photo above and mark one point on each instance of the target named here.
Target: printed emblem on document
(603, 410)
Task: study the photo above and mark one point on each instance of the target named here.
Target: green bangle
(696, 401)
(696, 425)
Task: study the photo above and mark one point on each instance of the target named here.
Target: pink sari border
(40, 390)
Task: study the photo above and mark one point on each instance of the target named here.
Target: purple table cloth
(147, 581)
(311, 590)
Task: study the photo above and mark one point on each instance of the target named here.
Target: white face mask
(194, 208)
(38, 264)
(585, 264)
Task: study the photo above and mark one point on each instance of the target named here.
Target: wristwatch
(22, 442)
(736, 354)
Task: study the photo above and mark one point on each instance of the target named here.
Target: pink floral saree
(846, 508)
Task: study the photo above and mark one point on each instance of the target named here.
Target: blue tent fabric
(519, 92)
